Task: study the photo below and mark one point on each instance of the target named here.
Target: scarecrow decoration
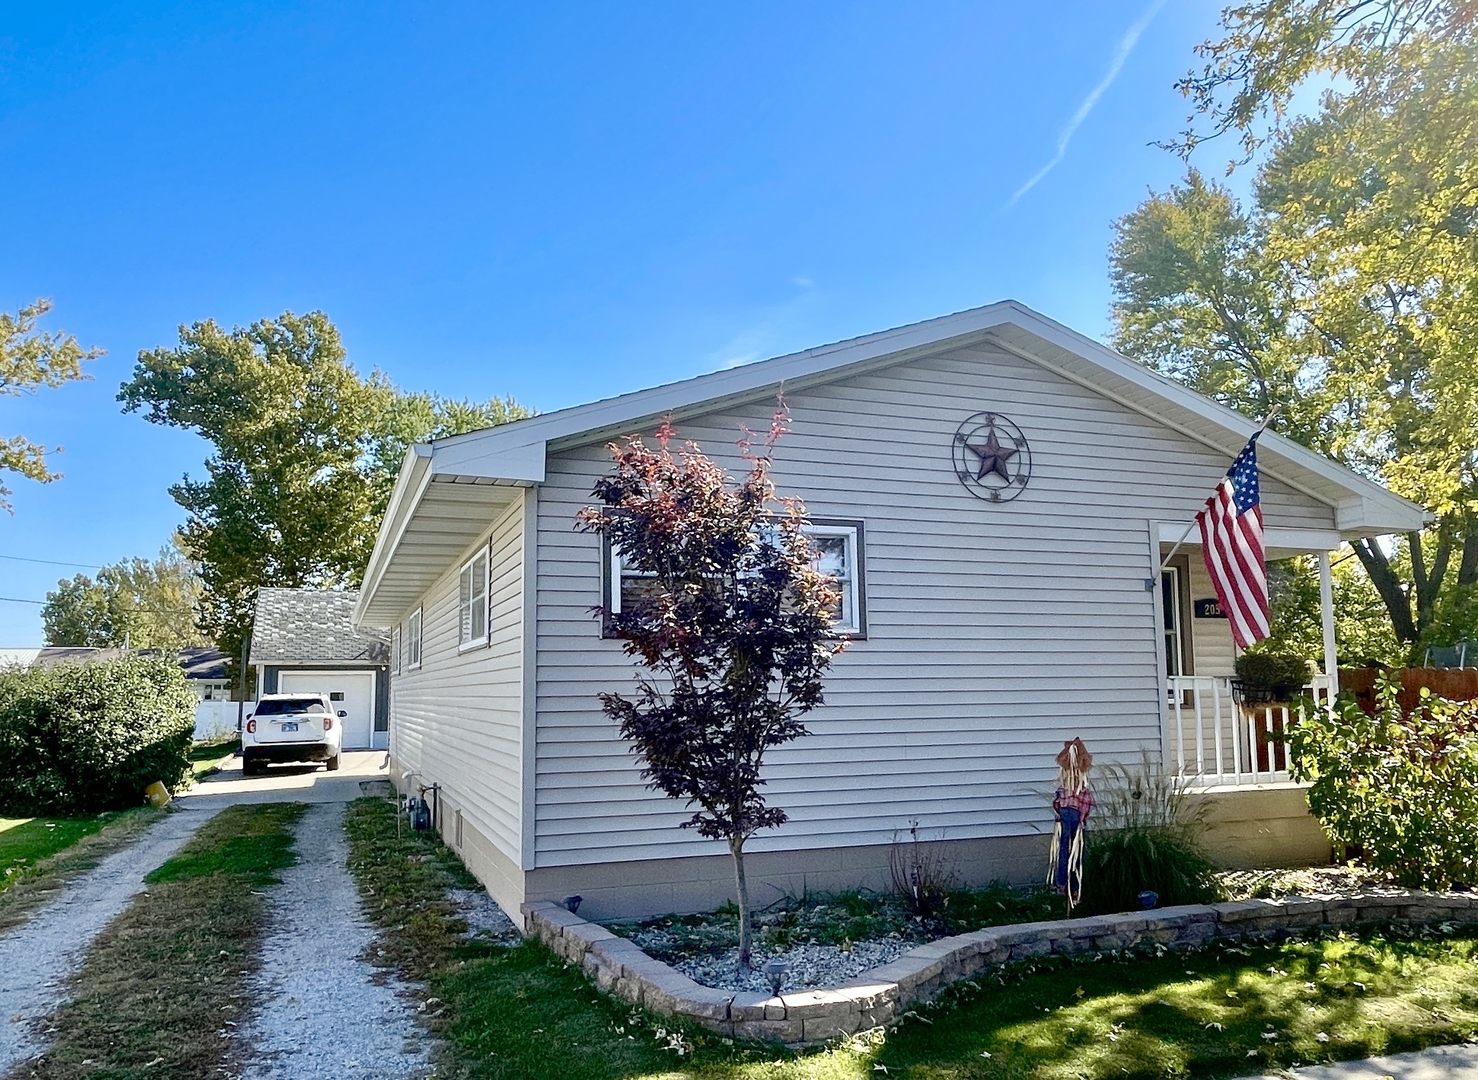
(1072, 804)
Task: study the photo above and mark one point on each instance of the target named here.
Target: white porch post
(1326, 616)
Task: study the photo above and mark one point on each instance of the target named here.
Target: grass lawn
(206, 757)
(521, 1012)
(24, 842)
(163, 987)
(40, 855)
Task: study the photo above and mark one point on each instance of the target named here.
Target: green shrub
(1401, 787)
(82, 738)
(1144, 835)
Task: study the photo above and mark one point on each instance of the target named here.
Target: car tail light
(251, 726)
(328, 723)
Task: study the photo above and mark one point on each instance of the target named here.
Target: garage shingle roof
(299, 626)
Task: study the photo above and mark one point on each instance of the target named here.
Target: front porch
(1211, 737)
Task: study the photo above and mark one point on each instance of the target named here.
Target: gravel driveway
(37, 956)
(323, 1017)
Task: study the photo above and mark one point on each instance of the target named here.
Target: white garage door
(352, 692)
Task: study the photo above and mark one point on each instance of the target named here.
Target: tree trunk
(1388, 584)
(1428, 580)
(736, 848)
(1467, 571)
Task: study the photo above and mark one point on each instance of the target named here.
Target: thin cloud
(1121, 54)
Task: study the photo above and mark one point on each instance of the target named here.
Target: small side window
(413, 640)
(395, 651)
(473, 602)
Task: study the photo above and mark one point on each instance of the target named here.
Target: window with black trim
(839, 548)
(413, 640)
(472, 606)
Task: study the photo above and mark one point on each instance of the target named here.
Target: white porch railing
(1212, 739)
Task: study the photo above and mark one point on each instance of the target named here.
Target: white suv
(292, 727)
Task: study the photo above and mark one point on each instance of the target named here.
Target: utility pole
(241, 697)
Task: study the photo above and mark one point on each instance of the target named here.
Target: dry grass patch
(163, 990)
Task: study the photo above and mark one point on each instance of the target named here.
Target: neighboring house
(208, 672)
(48, 655)
(304, 640)
(993, 615)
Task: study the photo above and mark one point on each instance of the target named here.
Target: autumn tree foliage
(732, 630)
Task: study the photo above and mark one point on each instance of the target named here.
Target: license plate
(289, 727)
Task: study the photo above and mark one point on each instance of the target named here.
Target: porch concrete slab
(1437, 1063)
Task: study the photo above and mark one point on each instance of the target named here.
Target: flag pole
(1149, 583)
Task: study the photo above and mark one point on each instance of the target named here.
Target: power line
(18, 600)
(53, 562)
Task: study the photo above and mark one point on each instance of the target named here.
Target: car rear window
(288, 705)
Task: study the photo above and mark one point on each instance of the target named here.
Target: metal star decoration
(993, 456)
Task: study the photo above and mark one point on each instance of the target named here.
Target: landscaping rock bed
(807, 966)
(880, 995)
(825, 940)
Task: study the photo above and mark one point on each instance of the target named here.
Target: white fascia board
(410, 485)
(741, 382)
(512, 462)
(1356, 514)
(1274, 537)
(1379, 510)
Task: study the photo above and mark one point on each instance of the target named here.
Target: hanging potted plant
(1263, 678)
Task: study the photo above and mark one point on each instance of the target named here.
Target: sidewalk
(1438, 1063)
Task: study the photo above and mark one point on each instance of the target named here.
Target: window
(1174, 623)
(839, 555)
(473, 602)
(286, 706)
(839, 546)
(413, 640)
(635, 584)
(395, 651)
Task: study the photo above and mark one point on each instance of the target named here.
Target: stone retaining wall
(879, 996)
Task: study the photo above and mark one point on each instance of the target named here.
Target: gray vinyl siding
(458, 719)
(995, 631)
(1211, 639)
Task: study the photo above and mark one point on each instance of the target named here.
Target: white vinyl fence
(216, 719)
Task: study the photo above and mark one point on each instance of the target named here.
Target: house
(994, 612)
(47, 655)
(304, 640)
(208, 672)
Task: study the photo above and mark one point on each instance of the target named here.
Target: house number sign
(992, 458)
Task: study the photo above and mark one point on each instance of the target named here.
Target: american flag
(1231, 542)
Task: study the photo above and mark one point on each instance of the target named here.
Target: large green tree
(145, 603)
(304, 454)
(1346, 291)
(30, 359)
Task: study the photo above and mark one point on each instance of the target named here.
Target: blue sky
(557, 201)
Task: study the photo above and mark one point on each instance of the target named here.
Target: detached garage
(304, 641)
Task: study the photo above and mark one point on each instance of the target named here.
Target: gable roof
(55, 654)
(446, 488)
(312, 626)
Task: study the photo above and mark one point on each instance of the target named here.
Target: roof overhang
(437, 508)
(449, 490)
